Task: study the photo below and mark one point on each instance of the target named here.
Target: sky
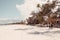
(8, 8)
(28, 6)
(18, 8)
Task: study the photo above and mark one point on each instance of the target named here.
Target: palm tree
(37, 18)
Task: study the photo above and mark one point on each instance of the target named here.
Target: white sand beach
(26, 32)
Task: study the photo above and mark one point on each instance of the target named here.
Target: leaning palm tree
(46, 10)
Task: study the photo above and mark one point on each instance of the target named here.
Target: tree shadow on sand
(45, 32)
(23, 29)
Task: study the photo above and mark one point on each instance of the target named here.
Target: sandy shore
(26, 32)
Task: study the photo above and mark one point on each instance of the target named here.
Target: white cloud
(9, 20)
(16, 18)
(4, 19)
(28, 6)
